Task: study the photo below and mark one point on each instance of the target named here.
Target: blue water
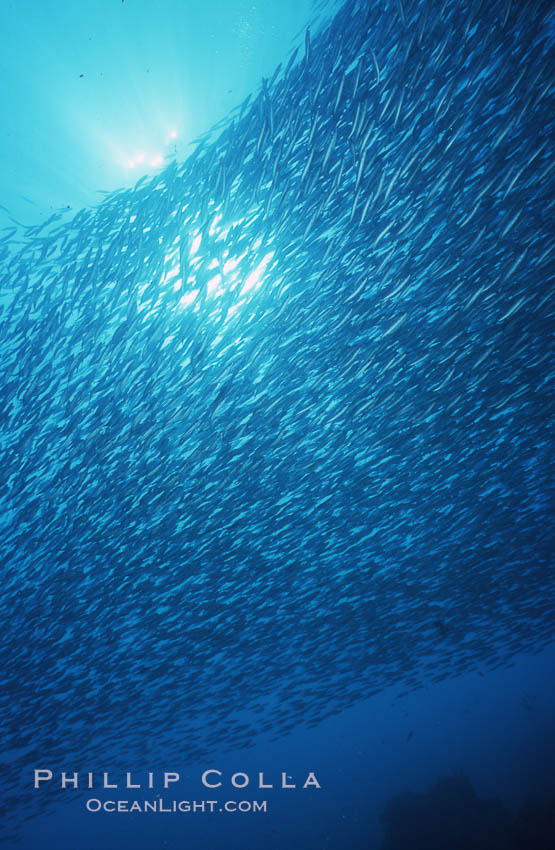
(93, 86)
(276, 423)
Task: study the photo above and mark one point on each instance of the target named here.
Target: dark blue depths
(275, 423)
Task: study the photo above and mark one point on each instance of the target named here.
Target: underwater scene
(276, 411)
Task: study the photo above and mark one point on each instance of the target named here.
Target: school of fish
(275, 423)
